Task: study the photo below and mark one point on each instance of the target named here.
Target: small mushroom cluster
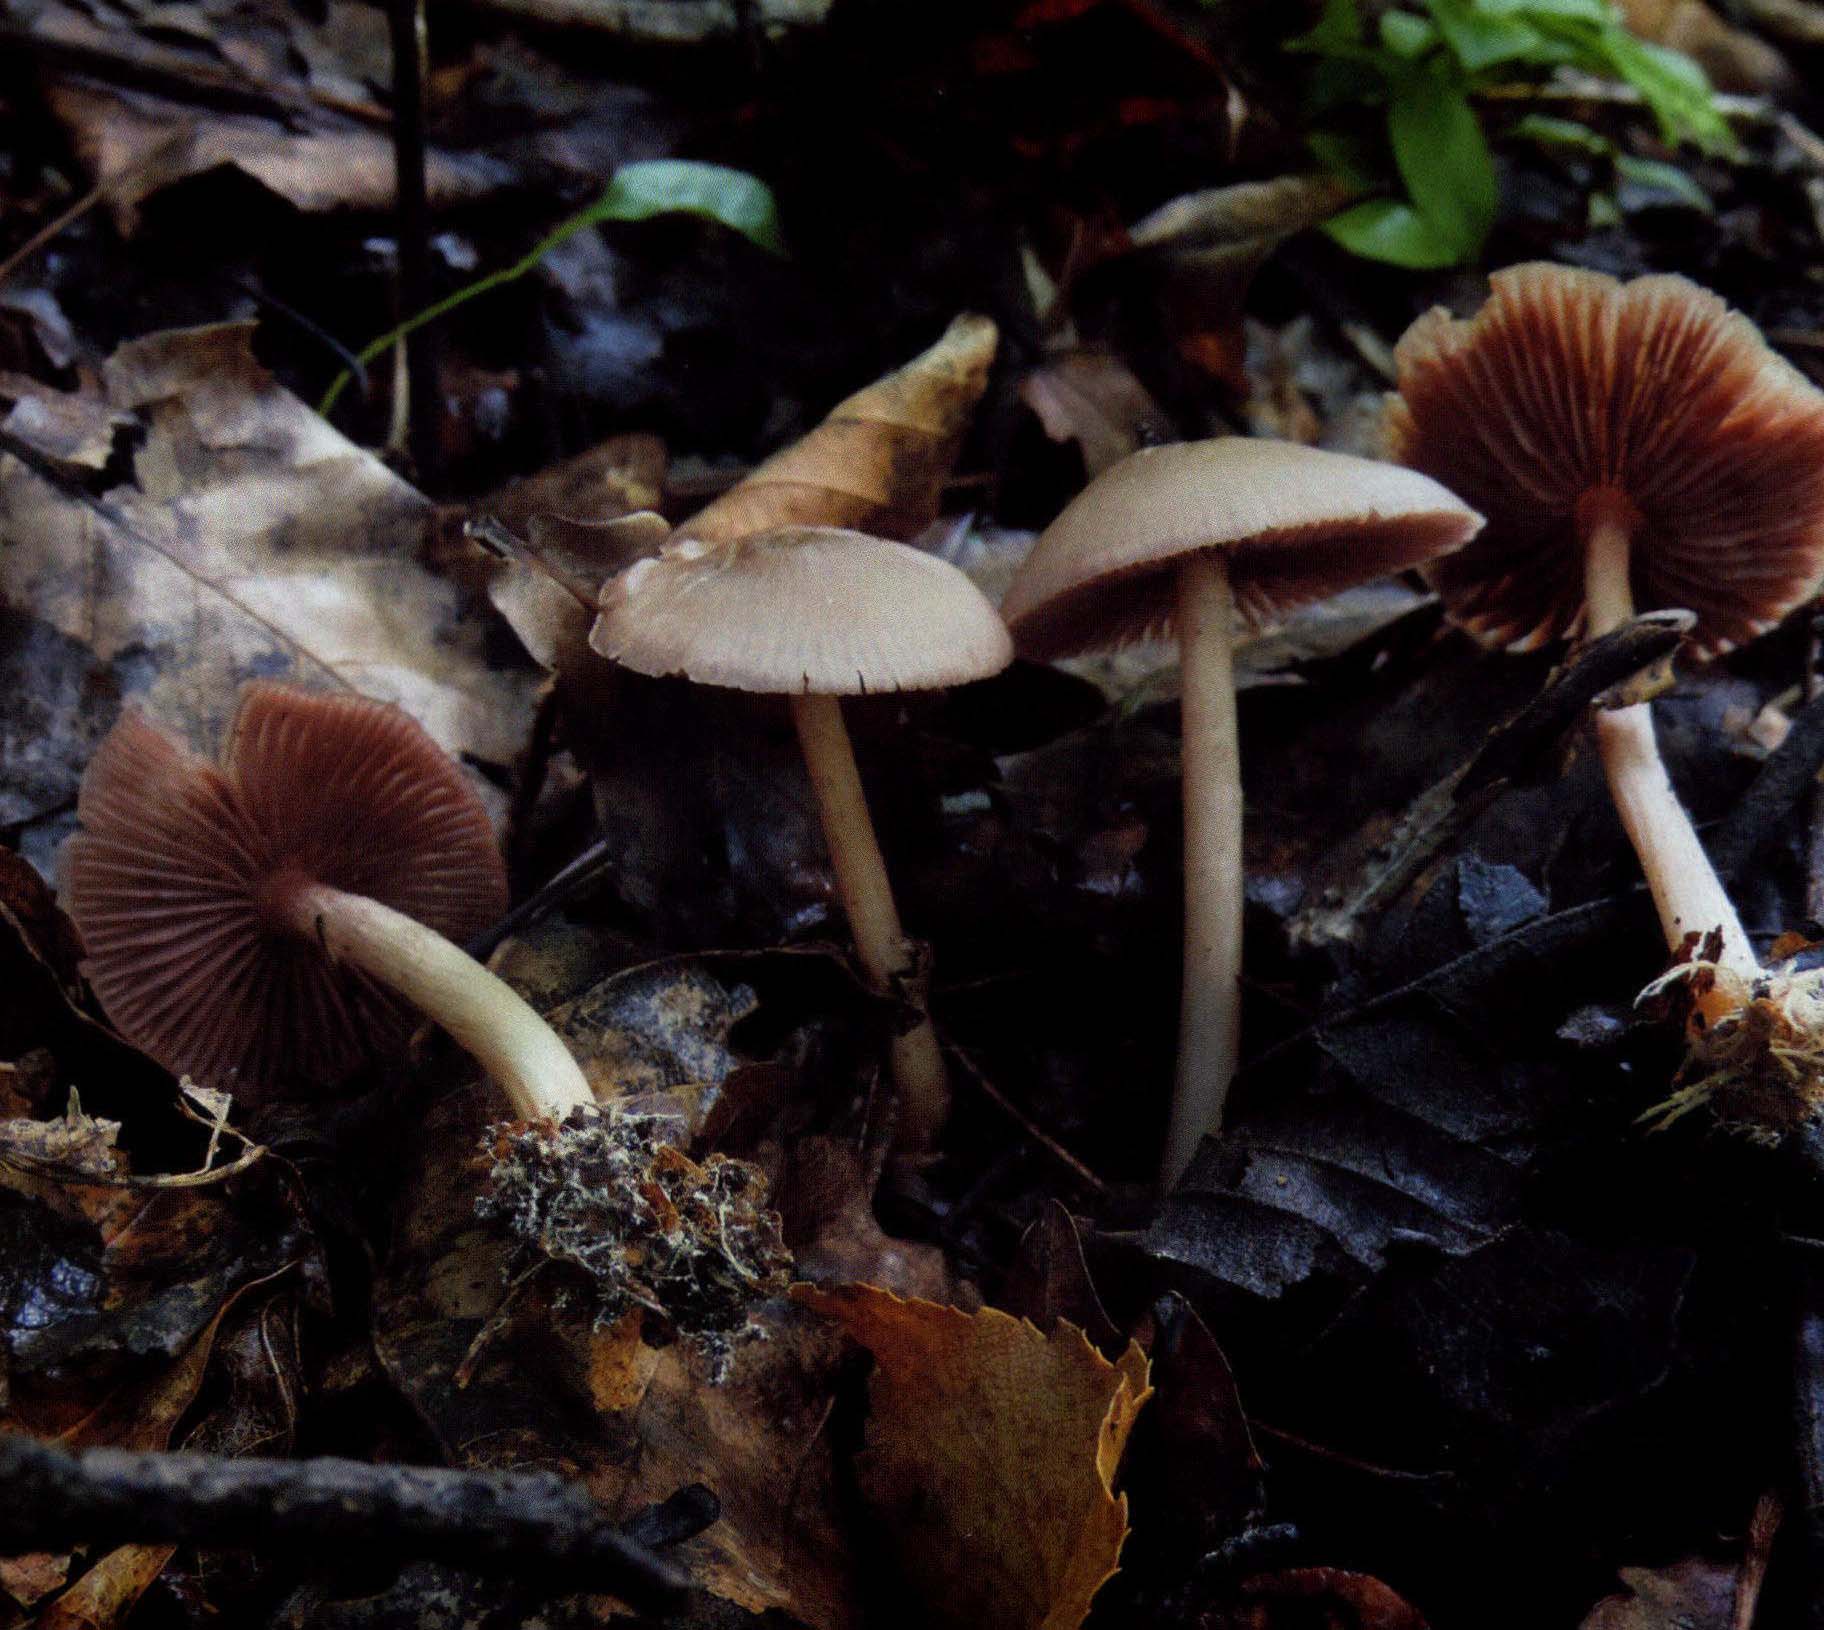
(271, 917)
(1636, 445)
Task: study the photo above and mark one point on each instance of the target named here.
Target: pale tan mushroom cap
(801, 609)
(1567, 381)
(1296, 524)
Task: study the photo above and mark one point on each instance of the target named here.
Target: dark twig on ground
(485, 1521)
(1512, 753)
(405, 21)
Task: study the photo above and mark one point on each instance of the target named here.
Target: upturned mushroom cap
(1296, 524)
(802, 609)
(173, 877)
(1567, 382)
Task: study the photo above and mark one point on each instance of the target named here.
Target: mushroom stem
(484, 1014)
(867, 898)
(1686, 890)
(1210, 1021)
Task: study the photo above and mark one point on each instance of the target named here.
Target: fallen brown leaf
(1349, 1601)
(879, 460)
(637, 1422)
(252, 540)
(991, 1455)
(823, 1196)
(1093, 399)
(1695, 1594)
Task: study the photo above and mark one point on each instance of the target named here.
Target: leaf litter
(1434, 1334)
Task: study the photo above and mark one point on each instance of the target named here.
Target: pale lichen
(634, 1222)
(1756, 1047)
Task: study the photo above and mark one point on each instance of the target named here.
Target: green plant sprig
(638, 192)
(1424, 65)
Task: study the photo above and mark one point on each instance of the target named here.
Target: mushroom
(259, 922)
(1189, 538)
(818, 613)
(1637, 444)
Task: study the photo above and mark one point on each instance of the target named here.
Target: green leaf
(1392, 230)
(1338, 30)
(673, 186)
(1603, 210)
(1588, 11)
(1479, 40)
(1346, 156)
(1665, 184)
(1443, 157)
(1671, 84)
(1406, 36)
(1562, 133)
(638, 192)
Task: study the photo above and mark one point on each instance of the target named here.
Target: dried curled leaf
(991, 1455)
(878, 462)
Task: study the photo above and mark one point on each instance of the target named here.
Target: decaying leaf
(879, 460)
(825, 1198)
(252, 541)
(1347, 1601)
(1695, 1594)
(69, 427)
(612, 478)
(991, 1455)
(670, 22)
(638, 1422)
(286, 97)
(1094, 399)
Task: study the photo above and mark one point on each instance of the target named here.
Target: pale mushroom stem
(867, 899)
(483, 1013)
(1209, 1030)
(1685, 887)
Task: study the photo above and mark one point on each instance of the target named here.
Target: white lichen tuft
(1756, 1047)
(638, 1223)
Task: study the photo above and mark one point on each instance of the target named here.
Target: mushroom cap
(1567, 382)
(810, 609)
(173, 877)
(1296, 524)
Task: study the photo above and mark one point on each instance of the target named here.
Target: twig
(405, 22)
(1763, 1526)
(1021, 1119)
(306, 325)
(530, 1524)
(1510, 753)
(598, 860)
(96, 194)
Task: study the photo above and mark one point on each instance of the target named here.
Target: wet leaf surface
(991, 1455)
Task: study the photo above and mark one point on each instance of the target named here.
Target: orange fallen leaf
(879, 461)
(991, 1455)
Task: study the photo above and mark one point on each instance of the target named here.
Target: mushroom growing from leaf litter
(815, 614)
(266, 921)
(1190, 538)
(1635, 445)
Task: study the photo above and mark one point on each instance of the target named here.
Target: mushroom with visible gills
(1191, 538)
(818, 613)
(267, 922)
(1635, 444)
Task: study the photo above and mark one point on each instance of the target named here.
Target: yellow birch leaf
(991, 1455)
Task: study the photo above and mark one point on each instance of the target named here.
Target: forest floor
(1436, 1333)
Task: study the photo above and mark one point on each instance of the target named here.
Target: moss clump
(639, 1222)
